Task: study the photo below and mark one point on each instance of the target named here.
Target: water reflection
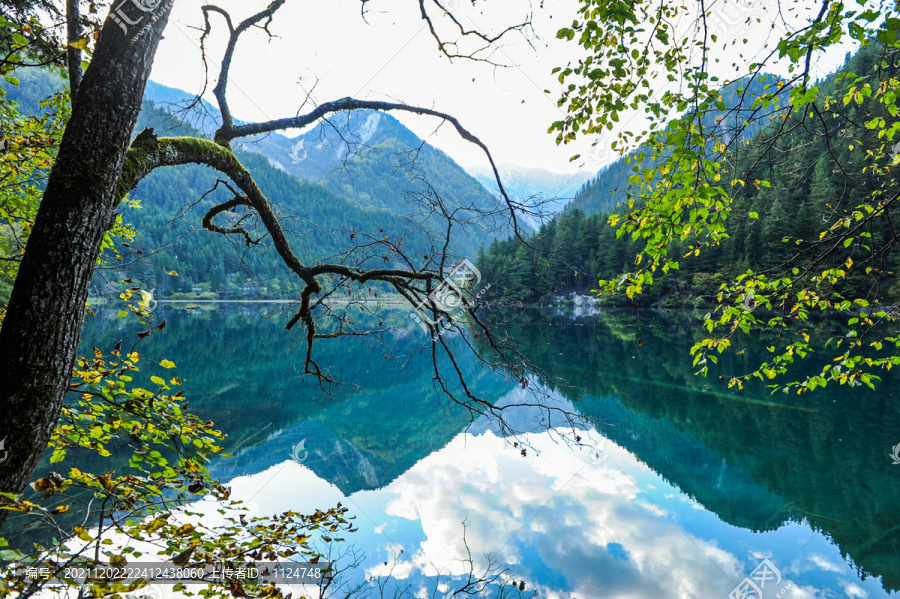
(569, 526)
(757, 460)
(699, 484)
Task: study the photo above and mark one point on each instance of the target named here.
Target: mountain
(312, 156)
(368, 157)
(807, 193)
(319, 224)
(551, 191)
(349, 175)
(168, 206)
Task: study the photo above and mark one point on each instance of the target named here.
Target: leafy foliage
(30, 144)
(609, 189)
(115, 516)
(28, 36)
(687, 192)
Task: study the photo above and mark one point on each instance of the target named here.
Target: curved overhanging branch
(228, 132)
(209, 225)
(148, 153)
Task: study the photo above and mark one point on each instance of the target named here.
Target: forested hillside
(609, 188)
(365, 156)
(172, 204)
(169, 205)
(817, 180)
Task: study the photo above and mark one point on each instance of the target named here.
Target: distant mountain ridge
(368, 157)
(311, 156)
(549, 190)
(609, 187)
(318, 222)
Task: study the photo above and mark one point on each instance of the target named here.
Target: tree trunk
(73, 55)
(39, 338)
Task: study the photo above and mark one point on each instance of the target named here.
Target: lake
(690, 486)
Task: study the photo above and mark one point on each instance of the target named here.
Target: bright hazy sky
(328, 45)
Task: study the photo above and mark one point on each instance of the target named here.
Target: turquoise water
(689, 487)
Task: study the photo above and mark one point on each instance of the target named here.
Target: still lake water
(695, 485)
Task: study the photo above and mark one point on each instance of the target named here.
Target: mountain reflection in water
(697, 483)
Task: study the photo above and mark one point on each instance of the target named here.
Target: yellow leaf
(173, 273)
(167, 364)
(156, 525)
(25, 506)
(107, 484)
(158, 380)
(186, 529)
(79, 44)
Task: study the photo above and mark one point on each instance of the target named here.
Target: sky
(327, 47)
(327, 50)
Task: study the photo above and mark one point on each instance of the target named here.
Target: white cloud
(823, 563)
(851, 589)
(571, 527)
(594, 506)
